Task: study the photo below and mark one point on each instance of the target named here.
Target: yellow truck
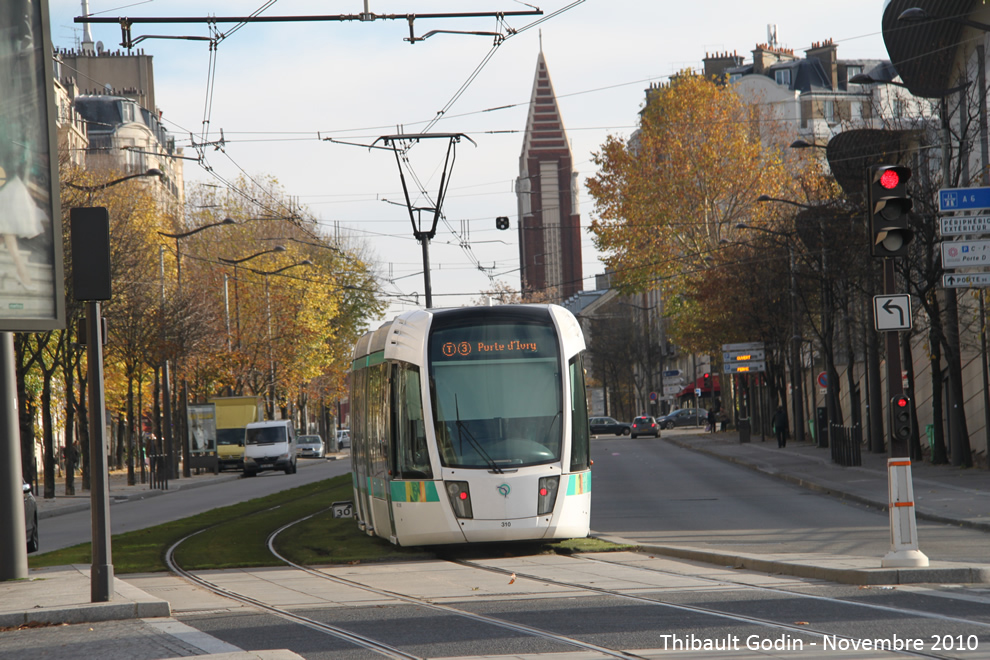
(233, 413)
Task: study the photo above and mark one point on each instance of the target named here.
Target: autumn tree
(666, 200)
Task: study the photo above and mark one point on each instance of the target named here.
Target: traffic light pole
(904, 551)
(895, 387)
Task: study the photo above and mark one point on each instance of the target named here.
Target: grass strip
(236, 536)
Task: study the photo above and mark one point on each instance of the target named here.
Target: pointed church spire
(546, 192)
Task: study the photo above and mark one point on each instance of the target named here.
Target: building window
(782, 76)
(830, 111)
(853, 71)
(898, 107)
(127, 112)
(735, 77)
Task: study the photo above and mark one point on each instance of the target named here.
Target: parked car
(645, 426)
(344, 438)
(684, 417)
(607, 425)
(309, 446)
(30, 518)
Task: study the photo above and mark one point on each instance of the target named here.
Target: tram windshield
(496, 391)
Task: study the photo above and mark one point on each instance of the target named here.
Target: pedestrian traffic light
(901, 423)
(889, 208)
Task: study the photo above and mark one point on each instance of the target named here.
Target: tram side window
(412, 457)
(580, 440)
(376, 420)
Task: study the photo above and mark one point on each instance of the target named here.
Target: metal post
(12, 547)
(797, 404)
(898, 448)
(101, 576)
(985, 178)
(424, 239)
(166, 390)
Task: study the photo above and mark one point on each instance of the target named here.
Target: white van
(269, 446)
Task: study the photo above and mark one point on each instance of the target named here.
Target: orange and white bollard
(904, 552)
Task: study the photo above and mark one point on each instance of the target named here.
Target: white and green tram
(471, 425)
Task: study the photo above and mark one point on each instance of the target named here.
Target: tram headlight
(460, 498)
(547, 495)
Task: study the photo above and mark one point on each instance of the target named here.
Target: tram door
(359, 447)
(379, 427)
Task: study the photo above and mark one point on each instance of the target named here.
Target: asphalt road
(70, 529)
(652, 491)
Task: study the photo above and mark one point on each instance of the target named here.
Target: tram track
(787, 592)
(394, 652)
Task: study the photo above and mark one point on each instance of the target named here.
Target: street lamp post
(166, 388)
(268, 313)
(831, 403)
(797, 400)
(237, 303)
(103, 186)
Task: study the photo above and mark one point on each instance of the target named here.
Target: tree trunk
(47, 436)
(939, 455)
(961, 453)
(83, 425)
(71, 452)
(130, 431)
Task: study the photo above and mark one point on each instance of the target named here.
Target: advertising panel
(202, 425)
(31, 286)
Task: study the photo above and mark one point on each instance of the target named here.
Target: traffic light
(706, 381)
(889, 206)
(501, 222)
(901, 424)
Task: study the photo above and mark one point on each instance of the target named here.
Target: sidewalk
(62, 594)
(943, 494)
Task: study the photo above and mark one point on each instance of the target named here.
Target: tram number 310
(342, 509)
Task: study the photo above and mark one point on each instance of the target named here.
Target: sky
(279, 89)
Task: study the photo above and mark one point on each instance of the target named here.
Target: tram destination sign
(960, 225)
(965, 280)
(963, 199)
(965, 254)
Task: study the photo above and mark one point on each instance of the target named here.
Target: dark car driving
(684, 417)
(607, 425)
(645, 426)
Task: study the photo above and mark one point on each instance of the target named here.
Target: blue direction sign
(963, 199)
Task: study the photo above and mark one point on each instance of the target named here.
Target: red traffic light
(890, 179)
(901, 402)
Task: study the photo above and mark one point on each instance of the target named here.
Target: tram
(471, 425)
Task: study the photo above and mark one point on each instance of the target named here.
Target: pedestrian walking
(711, 421)
(780, 426)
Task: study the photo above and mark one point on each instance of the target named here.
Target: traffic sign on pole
(963, 280)
(959, 225)
(747, 346)
(754, 366)
(892, 312)
(963, 199)
(965, 254)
